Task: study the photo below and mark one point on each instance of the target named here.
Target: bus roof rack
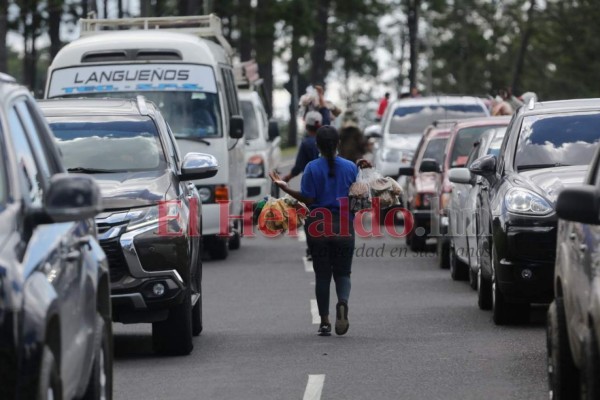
(204, 26)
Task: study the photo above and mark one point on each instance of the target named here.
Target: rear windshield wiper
(194, 139)
(83, 170)
(540, 166)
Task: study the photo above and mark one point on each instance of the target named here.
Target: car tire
(563, 376)
(174, 335)
(49, 380)
(503, 312)
(458, 269)
(218, 248)
(235, 241)
(484, 291)
(100, 384)
(590, 386)
(472, 278)
(443, 253)
(197, 315)
(417, 243)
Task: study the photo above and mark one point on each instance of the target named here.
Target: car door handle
(72, 256)
(484, 188)
(85, 242)
(582, 248)
(572, 236)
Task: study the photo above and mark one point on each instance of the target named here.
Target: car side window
(230, 91)
(34, 138)
(263, 118)
(32, 180)
(173, 145)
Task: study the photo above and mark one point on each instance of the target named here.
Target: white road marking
(301, 236)
(314, 387)
(314, 310)
(308, 265)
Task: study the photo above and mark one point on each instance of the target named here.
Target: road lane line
(314, 387)
(314, 310)
(308, 265)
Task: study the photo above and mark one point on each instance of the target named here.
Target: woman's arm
(286, 188)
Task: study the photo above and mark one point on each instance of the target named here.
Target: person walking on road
(383, 104)
(308, 150)
(330, 228)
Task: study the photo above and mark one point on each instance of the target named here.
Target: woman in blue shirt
(330, 232)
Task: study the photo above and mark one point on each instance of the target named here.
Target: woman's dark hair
(327, 142)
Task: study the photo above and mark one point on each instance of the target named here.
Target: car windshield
(414, 119)
(108, 143)
(435, 149)
(557, 140)
(189, 114)
(496, 142)
(250, 122)
(463, 144)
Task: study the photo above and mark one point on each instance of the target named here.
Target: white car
(405, 121)
(263, 146)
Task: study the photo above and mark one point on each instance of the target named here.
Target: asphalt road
(414, 334)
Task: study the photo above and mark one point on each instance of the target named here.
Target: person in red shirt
(382, 106)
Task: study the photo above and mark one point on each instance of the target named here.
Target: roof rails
(531, 104)
(142, 106)
(5, 78)
(204, 26)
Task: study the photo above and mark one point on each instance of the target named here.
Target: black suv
(547, 147)
(151, 223)
(55, 329)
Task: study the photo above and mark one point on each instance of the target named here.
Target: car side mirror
(579, 204)
(198, 166)
(72, 197)
(236, 127)
(406, 171)
(460, 175)
(429, 165)
(484, 166)
(373, 131)
(273, 130)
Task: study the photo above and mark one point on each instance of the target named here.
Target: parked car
(547, 147)
(150, 227)
(461, 215)
(462, 137)
(55, 314)
(263, 146)
(574, 315)
(421, 177)
(184, 66)
(405, 121)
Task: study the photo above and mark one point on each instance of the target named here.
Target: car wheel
(235, 241)
(590, 387)
(417, 243)
(484, 291)
(218, 248)
(472, 278)
(458, 269)
(443, 253)
(100, 383)
(49, 388)
(503, 312)
(562, 373)
(174, 335)
(197, 315)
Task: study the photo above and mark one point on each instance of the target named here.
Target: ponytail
(327, 142)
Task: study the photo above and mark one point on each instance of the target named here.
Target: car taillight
(445, 202)
(221, 193)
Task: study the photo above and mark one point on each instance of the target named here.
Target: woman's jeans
(332, 256)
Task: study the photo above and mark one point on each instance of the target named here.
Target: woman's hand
(362, 164)
(278, 180)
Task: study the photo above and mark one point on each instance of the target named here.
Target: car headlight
(140, 217)
(523, 201)
(255, 167)
(391, 155)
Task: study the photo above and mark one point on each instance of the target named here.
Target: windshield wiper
(540, 166)
(194, 139)
(83, 170)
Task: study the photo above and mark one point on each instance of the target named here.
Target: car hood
(125, 190)
(549, 181)
(408, 141)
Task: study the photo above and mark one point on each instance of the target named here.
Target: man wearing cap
(308, 148)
